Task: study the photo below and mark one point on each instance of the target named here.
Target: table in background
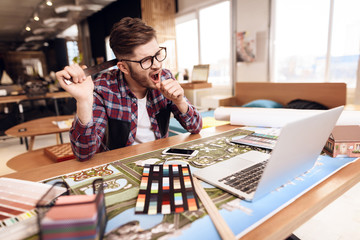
(279, 226)
(195, 87)
(37, 127)
(18, 98)
(31, 160)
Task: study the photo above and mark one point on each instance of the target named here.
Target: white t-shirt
(144, 131)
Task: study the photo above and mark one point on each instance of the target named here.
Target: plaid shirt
(113, 99)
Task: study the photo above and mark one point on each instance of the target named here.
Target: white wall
(253, 17)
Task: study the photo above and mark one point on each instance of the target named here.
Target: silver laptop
(253, 174)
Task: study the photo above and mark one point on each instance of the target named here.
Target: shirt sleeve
(86, 140)
(191, 120)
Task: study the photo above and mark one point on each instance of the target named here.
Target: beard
(142, 79)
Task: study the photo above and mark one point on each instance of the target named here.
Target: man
(131, 104)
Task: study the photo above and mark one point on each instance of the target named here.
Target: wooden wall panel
(160, 14)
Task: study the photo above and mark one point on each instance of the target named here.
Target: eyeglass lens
(160, 56)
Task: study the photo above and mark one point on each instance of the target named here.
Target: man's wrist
(84, 111)
(182, 105)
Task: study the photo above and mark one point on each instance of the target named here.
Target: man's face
(149, 77)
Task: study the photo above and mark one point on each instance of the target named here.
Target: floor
(338, 221)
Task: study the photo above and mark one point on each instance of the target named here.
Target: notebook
(254, 174)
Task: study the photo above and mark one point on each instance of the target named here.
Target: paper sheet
(276, 117)
(64, 124)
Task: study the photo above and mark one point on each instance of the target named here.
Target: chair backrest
(328, 94)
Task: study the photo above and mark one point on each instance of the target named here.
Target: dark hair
(129, 33)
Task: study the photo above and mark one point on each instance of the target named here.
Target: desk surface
(41, 126)
(19, 98)
(30, 160)
(278, 226)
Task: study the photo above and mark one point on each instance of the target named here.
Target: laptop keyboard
(247, 179)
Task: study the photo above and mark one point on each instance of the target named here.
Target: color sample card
(18, 198)
(166, 189)
(257, 140)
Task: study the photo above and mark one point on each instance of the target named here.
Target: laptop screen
(200, 73)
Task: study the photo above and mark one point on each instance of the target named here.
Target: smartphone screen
(178, 151)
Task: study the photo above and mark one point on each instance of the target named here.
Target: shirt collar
(123, 86)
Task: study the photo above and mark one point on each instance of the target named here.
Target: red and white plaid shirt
(113, 99)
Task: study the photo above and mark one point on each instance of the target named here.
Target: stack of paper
(74, 217)
(276, 117)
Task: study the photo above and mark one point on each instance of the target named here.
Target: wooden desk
(37, 127)
(279, 226)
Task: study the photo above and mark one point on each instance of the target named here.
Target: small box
(73, 216)
(60, 153)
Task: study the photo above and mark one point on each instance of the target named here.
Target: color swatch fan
(166, 189)
(18, 200)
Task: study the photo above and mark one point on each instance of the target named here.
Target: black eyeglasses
(147, 62)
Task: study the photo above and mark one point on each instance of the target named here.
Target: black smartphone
(180, 152)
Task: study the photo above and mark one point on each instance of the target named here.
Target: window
(203, 37)
(109, 52)
(72, 51)
(215, 41)
(71, 34)
(187, 43)
(357, 146)
(345, 42)
(316, 41)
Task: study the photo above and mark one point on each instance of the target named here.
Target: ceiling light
(49, 3)
(27, 28)
(36, 17)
